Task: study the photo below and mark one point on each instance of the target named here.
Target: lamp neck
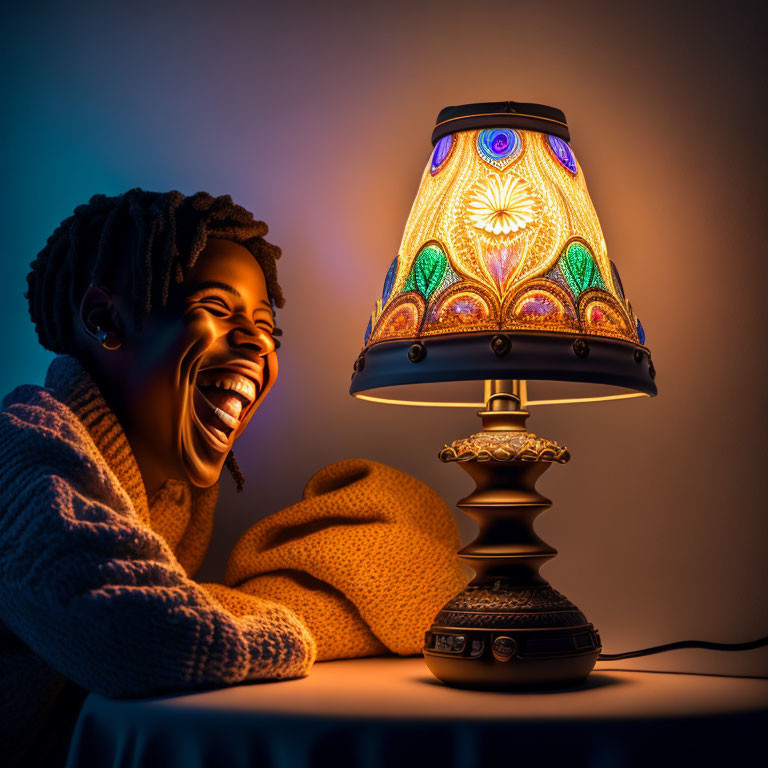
(503, 414)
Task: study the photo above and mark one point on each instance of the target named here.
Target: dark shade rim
(524, 355)
(501, 114)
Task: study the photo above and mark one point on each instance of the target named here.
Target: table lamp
(503, 277)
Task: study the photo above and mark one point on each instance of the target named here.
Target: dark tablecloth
(381, 712)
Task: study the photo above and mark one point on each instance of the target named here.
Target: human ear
(100, 318)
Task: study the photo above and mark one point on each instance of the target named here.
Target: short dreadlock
(139, 242)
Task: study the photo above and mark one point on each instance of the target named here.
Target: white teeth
(234, 382)
(233, 406)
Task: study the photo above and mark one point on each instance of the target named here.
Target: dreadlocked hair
(138, 243)
(234, 469)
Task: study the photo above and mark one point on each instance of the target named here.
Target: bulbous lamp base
(508, 628)
(503, 637)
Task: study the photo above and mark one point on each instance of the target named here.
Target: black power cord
(685, 644)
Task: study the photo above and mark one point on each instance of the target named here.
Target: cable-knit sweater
(96, 591)
(90, 589)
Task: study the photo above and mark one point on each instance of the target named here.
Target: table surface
(386, 693)
(405, 689)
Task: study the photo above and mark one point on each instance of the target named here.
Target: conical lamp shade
(503, 271)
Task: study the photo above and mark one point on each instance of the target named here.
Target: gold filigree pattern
(504, 446)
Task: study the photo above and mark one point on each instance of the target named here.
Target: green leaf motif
(580, 270)
(428, 271)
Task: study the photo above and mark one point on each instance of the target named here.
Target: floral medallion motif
(503, 205)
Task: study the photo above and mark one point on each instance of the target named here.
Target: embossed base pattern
(503, 637)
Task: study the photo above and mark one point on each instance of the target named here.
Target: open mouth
(222, 399)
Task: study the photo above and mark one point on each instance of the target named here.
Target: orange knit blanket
(366, 560)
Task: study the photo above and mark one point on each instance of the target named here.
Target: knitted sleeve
(99, 596)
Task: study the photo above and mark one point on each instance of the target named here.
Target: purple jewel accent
(539, 306)
(563, 153)
(463, 305)
(442, 148)
(499, 143)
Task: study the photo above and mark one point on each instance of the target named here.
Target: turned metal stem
(505, 504)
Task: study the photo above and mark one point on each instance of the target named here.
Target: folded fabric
(366, 559)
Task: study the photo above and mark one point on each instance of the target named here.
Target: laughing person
(160, 308)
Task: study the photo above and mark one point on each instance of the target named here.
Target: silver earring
(101, 337)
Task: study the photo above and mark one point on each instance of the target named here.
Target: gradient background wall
(317, 117)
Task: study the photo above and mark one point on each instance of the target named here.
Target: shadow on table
(595, 680)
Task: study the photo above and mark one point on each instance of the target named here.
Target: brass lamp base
(508, 628)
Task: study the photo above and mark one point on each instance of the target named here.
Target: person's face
(196, 371)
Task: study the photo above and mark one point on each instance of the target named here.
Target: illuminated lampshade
(503, 271)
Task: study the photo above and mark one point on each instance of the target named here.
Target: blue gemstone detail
(389, 281)
(563, 153)
(368, 330)
(640, 332)
(442, 148)
(617, 279)
(496, 144)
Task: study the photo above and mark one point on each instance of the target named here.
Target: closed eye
(215, 304)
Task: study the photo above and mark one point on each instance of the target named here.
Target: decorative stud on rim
(501, 345)
(581, 347)
(417, 352)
